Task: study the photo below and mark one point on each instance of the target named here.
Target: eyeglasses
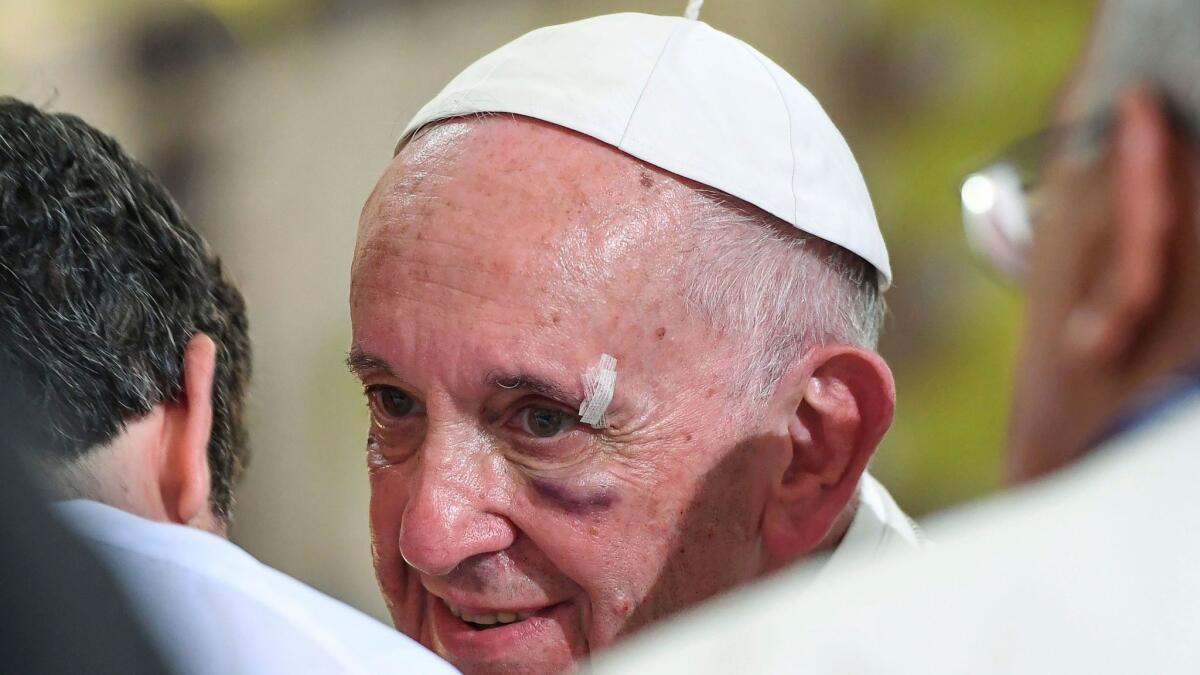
(1001, 202)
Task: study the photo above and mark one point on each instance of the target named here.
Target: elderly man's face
(497, 261)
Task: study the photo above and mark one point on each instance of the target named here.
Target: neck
(108, 475)
(840, 526)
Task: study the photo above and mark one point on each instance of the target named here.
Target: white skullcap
(689, 99)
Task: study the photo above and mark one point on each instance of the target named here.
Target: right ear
(842, 401)
(1127, 286)
(185, 483)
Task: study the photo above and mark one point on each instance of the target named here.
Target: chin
(530, 659)
(518, 666)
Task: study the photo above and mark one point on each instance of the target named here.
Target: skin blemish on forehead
(578, 502)
(646, 181)
(661, 332)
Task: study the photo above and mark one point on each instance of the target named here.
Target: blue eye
(390, 401)
(544, 422)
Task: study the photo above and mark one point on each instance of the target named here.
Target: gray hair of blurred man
(778, 288)
(1118, 54)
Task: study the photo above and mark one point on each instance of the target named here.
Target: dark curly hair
(102, 284)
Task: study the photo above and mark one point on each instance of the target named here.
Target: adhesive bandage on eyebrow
(598, 384)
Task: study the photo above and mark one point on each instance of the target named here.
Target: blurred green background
(271, 120)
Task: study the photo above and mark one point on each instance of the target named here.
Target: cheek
(400, 586)
(575, 521)
(703, 537)
(389, 495)
(594, 530)
(632, 543)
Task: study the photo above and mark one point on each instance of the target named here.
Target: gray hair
(102, 284)
(778, 287)
(1156, 42)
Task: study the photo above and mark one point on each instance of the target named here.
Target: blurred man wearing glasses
(1095, 567)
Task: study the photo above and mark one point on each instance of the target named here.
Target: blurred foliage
(256, 18)
(997, 65)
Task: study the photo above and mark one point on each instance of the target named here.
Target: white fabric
(214, 609)
(686, 98)
(879, 529)
(1095, 570)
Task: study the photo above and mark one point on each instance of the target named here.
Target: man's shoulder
(218, 609)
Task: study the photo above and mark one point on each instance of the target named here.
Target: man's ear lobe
(184, 476)
(1123, 294)
(847, 406)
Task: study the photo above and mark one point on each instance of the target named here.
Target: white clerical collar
(879, 528)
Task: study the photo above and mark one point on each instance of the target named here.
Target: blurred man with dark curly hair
(134, 347)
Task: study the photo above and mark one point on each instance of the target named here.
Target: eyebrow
(532, 383)
(360, 362)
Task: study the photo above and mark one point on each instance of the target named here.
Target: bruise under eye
(582, 501)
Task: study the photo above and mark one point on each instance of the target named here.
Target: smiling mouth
(491, 620)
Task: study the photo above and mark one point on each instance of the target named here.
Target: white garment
(214, 609)
(1094, 570)
(879, 529)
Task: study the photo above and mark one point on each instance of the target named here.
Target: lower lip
(460, 639)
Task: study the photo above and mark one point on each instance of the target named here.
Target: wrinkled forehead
(523, 199)
(510, 245)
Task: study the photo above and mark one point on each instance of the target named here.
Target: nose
(450, 515)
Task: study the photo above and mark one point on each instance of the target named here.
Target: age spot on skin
(646, 181)
(623, 606)
(586, 503)
(661, 332)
